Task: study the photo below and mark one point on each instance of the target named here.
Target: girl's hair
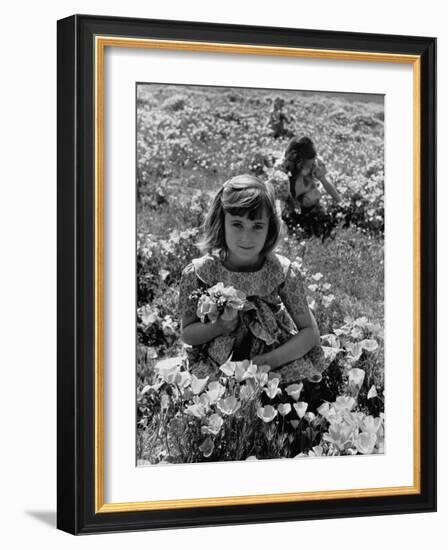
(240, 196)
(297, 151)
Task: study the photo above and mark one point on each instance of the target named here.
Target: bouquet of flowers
(219, 301)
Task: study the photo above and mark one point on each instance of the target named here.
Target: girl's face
(245, 238)
(307, 166)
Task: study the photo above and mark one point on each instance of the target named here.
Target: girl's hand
(227, 327)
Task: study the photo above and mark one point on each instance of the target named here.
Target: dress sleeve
(292, 292)
(188, 283)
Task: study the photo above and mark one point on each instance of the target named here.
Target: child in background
(275, 327)
(305, 169)
(278, 119)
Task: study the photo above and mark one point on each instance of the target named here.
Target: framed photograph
(246, 274)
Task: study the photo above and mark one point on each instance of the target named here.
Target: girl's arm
(330, 189)
(320, 171)
(195, 333)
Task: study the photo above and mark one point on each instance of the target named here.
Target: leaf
(372, 393)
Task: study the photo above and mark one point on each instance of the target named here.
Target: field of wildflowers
(189, 141)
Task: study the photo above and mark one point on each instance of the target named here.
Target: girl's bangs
(250, 202)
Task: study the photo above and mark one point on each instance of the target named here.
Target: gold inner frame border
(101, 42)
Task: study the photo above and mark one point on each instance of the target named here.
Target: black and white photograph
(260, 274)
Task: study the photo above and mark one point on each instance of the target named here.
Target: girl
(275, 327)
(304, 169)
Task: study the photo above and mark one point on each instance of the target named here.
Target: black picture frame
(77, 475)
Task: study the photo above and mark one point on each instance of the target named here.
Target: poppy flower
(207, 308)
(197, 410)
(229, 405)
(294, 390)
(215, 392)
(207, 447)
(365, 443)
(182, 379)
(272, 389)
(214, 425)
(310, 416)
(198, 384)
(164, 401)
(267, 414)
(247, 391)
(244, 369)
(328, 411)
(371, 424)
(228, 368)
(356, 378)
(327, 300)
(262, 378)
(369, 345)
(284, 409)
(148, 314)
(168, 368)
(300, 408)
(339, 433)
(344, 402)
(318, 450)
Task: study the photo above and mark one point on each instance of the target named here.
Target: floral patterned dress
(274, 293)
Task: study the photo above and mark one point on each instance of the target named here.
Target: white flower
(197, 384)
(365, 443)
(328, 300)
(294, 390)
(300, 408)
(284, 409)
(344, 403)
(356, 377)
(267, 414)
(215, 392)
(168, 368)
(272, 389)
(214, 425)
